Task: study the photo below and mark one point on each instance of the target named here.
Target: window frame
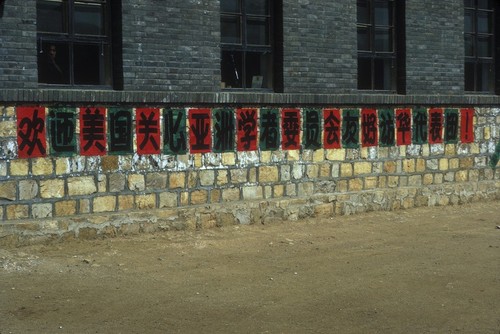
(396, 54)
(244, 47)
(475, 60)
(72, 39)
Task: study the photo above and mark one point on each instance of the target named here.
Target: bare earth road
(426, 270)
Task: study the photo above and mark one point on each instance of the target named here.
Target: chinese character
(435, 126)
(31, 134)
(148, 131)
(386, 127)
(369, 127)
(403, 126)
(332, 128)
(175, 132)
(62, 131)
(466, 125)
(199, 124)
(291, 129)
(247, 129)
(269, 129)
(419, 126)
(312, 132)
(451, 126)
(350, 129)
(92, 132)
(120, 131)
(223, 130)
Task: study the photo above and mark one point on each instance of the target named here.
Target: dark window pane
(469, 46)
(231, 29)
(469, 3)
(230, 6)
(484, 77)
(258, 32)
(53, 63)
(468, 25)
(364, 73)
(363, 12)
(484, 4)
(89, 19)
(383, 13)
(383, 40)
(383, 74)
(257, 7)
(259, 71)
(484, 22)
(469, 76)
(86, 64)
(484, 47)
(231, 69)
(364, 39)
(51, 16)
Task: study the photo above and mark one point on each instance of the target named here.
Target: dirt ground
(426, 270)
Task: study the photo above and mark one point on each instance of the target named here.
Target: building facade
(239, 111)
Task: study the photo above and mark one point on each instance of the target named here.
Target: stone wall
(68, 194)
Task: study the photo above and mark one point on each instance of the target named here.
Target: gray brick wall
(18, 54)
(319, 46)
(174, 46)
(434, 47)
(171, 45)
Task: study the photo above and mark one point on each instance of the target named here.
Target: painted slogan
(97, 131)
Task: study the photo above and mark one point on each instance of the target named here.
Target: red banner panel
(369, 127)
(200, 134)
(31, 139)
(331, 136)
(403, 126)
(290, 129)
(147, 129)
(246, 120)
(467, 125)
(435, 125)
(92, 131)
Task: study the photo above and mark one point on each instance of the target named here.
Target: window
(250, 38)
(479, 46)
(378, 40)
(74, 42)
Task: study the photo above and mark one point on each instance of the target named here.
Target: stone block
(215, 195)
(390, 167)
(8, 128)
(136, 182)
(65, 208)
(104, 204)
(177, 180)
(293, 155)
(126, 202)
(109, 163)
(415, 180)
(207, 177)
(312, 171)
(408, 165)
(297, 171)
(146, 201)
(454, 163)
(252, 175)
(356, 184)
(336, 155)
(230, 194)
(362, 168)
(278, 191)
(223, 177)
(19, 167)
(443, 164)
(81, 185)
(63, 166)
(291, 189)
(371, 182)
(461, 176)
(184, 198)
(17, 211)
(229, 158)
(268, 174)
(252, 193)
(84, 205)
(42, 166)
(466, 163)
(199, 196)
(319, 155)
(238, 175)
(420, 165)
(345, 170)
(192, 179)
(116, 182)
(41, 210)
(305, 188)
(8, 190)
(28, 189)
(156, 180)
(428, 179)
(52, 188)
(392, 181)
